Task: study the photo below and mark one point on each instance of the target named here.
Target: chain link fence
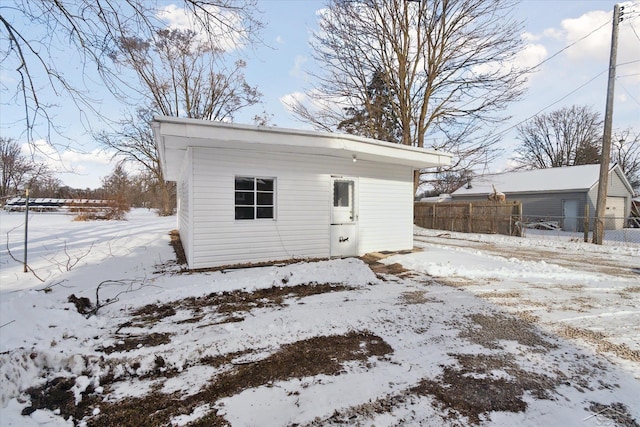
(618, 230)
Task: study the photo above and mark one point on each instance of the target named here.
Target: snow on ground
(565, 284)
(447, 342)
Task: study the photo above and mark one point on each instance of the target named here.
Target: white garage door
(614, 213)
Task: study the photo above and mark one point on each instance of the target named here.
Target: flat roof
(173, 136)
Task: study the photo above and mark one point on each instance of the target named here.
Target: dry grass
(473, 390)
(599, 340)
(323, 355)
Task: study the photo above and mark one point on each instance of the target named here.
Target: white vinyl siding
(302, 214)
(184, 214)
(300, 228)
(386, 210)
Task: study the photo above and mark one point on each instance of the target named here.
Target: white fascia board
(176, 134)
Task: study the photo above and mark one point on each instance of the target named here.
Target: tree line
(124, 189)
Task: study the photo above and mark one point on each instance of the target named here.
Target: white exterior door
(614, 214)
(344, 217)
(570, 214)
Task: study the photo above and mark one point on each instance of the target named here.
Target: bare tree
(116, 187)
(134, 142)
(569, 136)
(447, 65)
(14, 168)
(625, 151)
(45, 183)
(446, 182)
(31, 29)
(183, 75)
(17, 171)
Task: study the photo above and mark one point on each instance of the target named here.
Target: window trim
(255, 192)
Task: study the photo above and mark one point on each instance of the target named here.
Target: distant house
(53, 205)
(249, 194)
(557, 194)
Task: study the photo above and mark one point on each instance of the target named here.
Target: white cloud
(588, 36)
(218, 32)
(591, 34)
(76, 168)
(531, 55)
(279, 39)
(298, 63)
(293, 98)
(530, 37)
(552, 33)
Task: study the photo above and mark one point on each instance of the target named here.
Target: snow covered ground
(483, 329)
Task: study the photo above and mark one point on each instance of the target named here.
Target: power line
(634, 30)
(567, 47)
(628, 93)
(501, 133)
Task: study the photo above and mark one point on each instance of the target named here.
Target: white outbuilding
(254, 194)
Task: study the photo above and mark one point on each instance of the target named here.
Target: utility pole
(598, 225)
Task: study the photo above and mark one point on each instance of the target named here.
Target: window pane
(244, 213)
(244, 183)
(265, 184)
(244, 198)
(341, 194)
(265, 212)
(265, 199)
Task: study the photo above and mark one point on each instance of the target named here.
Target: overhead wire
(567, 47)
(502, 132)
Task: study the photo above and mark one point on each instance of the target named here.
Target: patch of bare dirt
(176, 244)
(382, 270)
(323, 355)
(57, 394)
(616, 412)
(482, 384)
(601, 343)
(488, 330)
(416, 297)
(361, 415)
(131, 342)
(228, 304)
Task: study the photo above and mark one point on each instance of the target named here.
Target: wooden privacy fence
(470, 217)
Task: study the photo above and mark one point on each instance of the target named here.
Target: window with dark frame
(254, 198)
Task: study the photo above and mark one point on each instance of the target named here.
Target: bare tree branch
(94, 29)
(449, 65)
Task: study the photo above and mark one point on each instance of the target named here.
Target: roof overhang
(174, 135)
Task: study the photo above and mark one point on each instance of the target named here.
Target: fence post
(585, 225)
(26, 226)
(470, 222)
(433, 217)
(520, 219)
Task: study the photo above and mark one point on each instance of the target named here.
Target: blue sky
(277, 68)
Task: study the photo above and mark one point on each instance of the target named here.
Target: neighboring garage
(558, 194)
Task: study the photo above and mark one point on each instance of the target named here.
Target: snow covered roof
(174, 135)
(571, 178)
(437, 199)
